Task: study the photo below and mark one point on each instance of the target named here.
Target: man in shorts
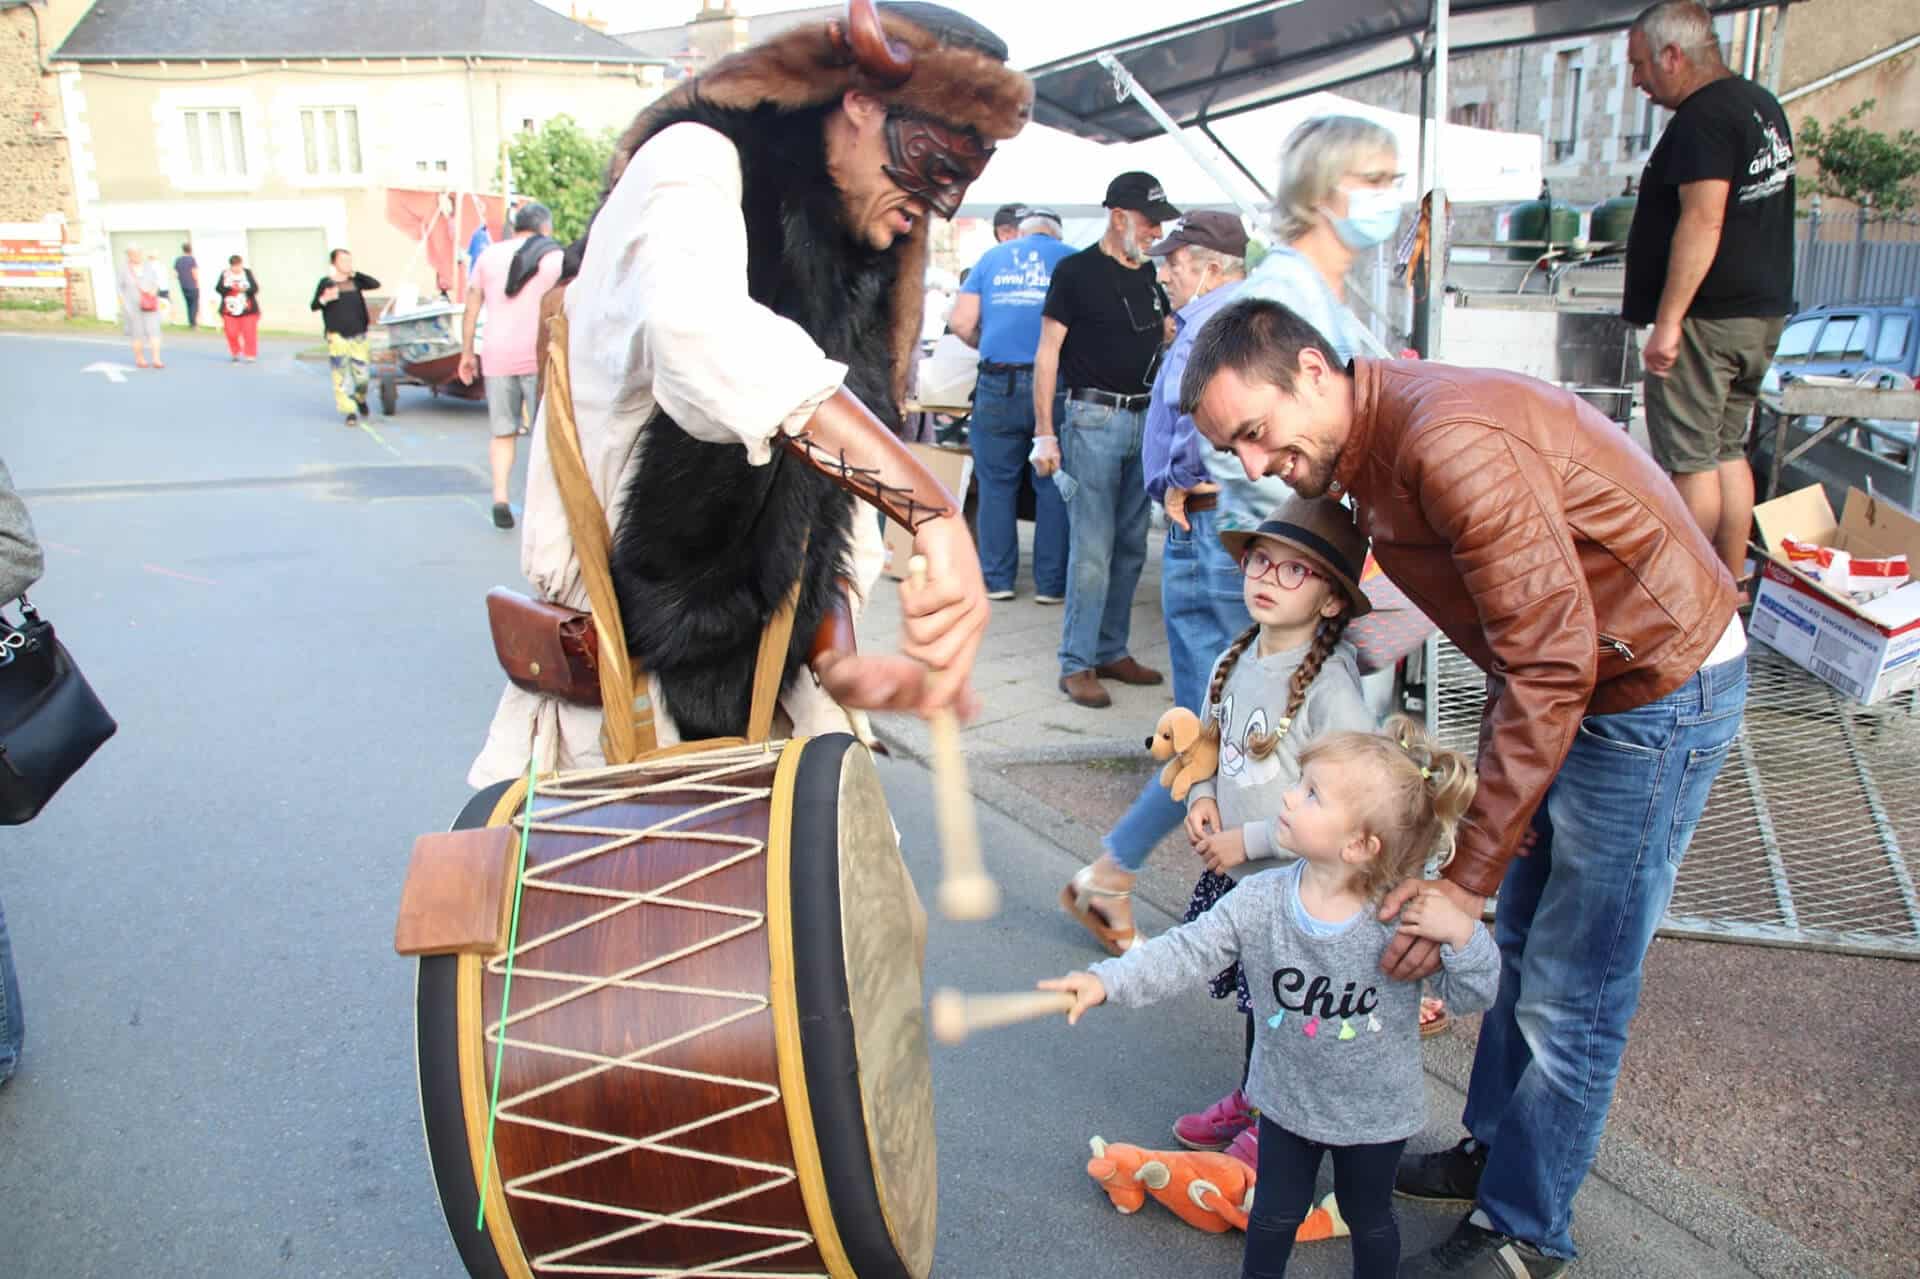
(1709, 264)
(508, 281)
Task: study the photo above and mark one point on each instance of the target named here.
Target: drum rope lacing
(580, 793)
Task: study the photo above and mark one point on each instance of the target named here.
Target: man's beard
(1130, 246)
(1312, 477)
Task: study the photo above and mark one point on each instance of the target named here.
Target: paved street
(286, 618)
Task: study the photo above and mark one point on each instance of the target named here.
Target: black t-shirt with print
(1733, 130)
(1116, 322)
(347, 313)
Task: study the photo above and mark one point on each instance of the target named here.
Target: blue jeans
(1107, 519)
(1205, 608)
(1001, 434)
(13, 1023)
(1575, 918)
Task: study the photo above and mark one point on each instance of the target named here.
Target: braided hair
(1326, 637)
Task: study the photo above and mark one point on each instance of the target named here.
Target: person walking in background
(21, 563)
(998, 314)
(143, 302)
(1709, 264)
(187, 271)
(1101, 331)
(239, 309)
(509, 280)
(341, 299)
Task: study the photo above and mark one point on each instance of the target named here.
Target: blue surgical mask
(1373, 214)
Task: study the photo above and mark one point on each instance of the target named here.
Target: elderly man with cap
(1203, 262)
(998, 314)
(1101, 333)
(737, 340)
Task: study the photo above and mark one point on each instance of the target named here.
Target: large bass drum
(715, 1057)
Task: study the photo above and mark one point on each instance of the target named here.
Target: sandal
(1434, 1018)
(1074, 899)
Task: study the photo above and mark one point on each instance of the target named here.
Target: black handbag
(50, 719)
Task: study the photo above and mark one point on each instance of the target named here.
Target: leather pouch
(545, 648)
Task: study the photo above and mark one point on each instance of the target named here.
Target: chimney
(715, 32)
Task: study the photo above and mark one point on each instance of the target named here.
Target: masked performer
(739, 334)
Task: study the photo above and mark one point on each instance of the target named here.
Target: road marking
(185, 577)
(114, 372)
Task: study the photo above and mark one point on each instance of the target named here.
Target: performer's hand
(1408, 957)
(1085, 988)
(469, 366)
(1662, 350)
(1223, 851)
(872, 682)
(1045, 455)
(946, 618)
(1203, 822)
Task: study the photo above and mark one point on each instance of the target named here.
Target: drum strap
(626, 731)
(772, 662)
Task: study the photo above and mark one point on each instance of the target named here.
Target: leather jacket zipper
(1618, 646)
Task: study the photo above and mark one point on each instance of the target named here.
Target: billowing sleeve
(724, 367)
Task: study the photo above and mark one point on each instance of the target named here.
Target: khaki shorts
(1697, 415)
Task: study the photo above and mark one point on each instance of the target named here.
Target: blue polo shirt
(1012, 280)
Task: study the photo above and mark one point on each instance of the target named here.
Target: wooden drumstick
(966, 890)
(955, 1016)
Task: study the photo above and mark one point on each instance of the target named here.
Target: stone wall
(35, 171)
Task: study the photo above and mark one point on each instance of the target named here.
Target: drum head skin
(716, 1055)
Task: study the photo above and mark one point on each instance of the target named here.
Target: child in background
(1301, 580)
(1336, 1061)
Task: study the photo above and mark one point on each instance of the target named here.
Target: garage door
(162, 245)
(288, 263)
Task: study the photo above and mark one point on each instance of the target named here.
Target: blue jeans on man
(13, 1022)
(1576, 915)
(1000, 432)
(1107, 521)
(1205, 608)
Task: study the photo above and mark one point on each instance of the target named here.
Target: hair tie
(1425, 773)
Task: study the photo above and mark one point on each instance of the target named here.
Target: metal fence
(1855, 256)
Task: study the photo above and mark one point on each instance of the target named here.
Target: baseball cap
(1204, 229)
(1142, 193)
(1009, 215)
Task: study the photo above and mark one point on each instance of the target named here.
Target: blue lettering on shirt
(1012, 280)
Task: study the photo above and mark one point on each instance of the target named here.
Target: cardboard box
(1867, 651)
(953, 468)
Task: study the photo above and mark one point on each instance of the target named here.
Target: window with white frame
(216, 142)
(1569, 80)
(331, 138)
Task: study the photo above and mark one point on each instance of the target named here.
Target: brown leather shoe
(1085, 690)
(1128, 671)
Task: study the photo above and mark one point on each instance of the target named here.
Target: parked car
(1875, 344)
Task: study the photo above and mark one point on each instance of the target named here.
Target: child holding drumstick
(1336, 1059)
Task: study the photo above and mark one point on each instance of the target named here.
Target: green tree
(1864, 165)
(563, 167)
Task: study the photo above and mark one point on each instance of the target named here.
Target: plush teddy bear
(1191, 756)
(1209, 1191)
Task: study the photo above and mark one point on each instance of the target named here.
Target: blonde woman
(143, 303)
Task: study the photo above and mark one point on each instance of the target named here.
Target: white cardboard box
(1867, 651)
(952, 467)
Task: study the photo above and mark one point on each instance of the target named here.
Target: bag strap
(627, 730)
(772, 661)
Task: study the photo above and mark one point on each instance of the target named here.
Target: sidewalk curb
(1663, 1190)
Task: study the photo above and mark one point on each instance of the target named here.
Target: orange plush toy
(1209, 1191)
(1190, 757)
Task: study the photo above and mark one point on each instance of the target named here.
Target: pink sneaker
(1217, 1125)
(1246, 1148)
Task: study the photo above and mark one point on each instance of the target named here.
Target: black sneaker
(1473, 1253)
(1445, 1176)
(502, 515)
(361, 404)
(353, 419)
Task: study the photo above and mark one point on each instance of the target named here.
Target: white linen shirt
(659, 316)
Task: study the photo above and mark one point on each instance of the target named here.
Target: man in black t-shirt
(1101, 331)
(1709, 263)
(341, 299)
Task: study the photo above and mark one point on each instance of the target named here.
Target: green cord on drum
(506, 992)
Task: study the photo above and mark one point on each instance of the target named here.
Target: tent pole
(1228, 152)
(1437, 233)
(1776, 43)
(1126, 86)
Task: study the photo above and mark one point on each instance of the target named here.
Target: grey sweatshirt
(21, 560)
(1336, 1049)
(1248, 790)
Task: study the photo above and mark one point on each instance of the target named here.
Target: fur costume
(709, 544)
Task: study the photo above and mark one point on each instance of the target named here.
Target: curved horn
(860, 36)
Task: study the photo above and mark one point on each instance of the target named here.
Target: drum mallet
(966, 890)
(955, 1016)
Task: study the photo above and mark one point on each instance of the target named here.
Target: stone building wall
(36, 176)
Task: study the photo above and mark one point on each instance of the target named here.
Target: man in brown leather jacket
(1557, 556)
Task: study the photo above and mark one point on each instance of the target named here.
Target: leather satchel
(51, 721)
(545, 648)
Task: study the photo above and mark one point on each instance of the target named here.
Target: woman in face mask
(1339, 196)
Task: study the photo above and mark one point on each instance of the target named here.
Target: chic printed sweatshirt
(1248, 790)
(1336, 1048)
